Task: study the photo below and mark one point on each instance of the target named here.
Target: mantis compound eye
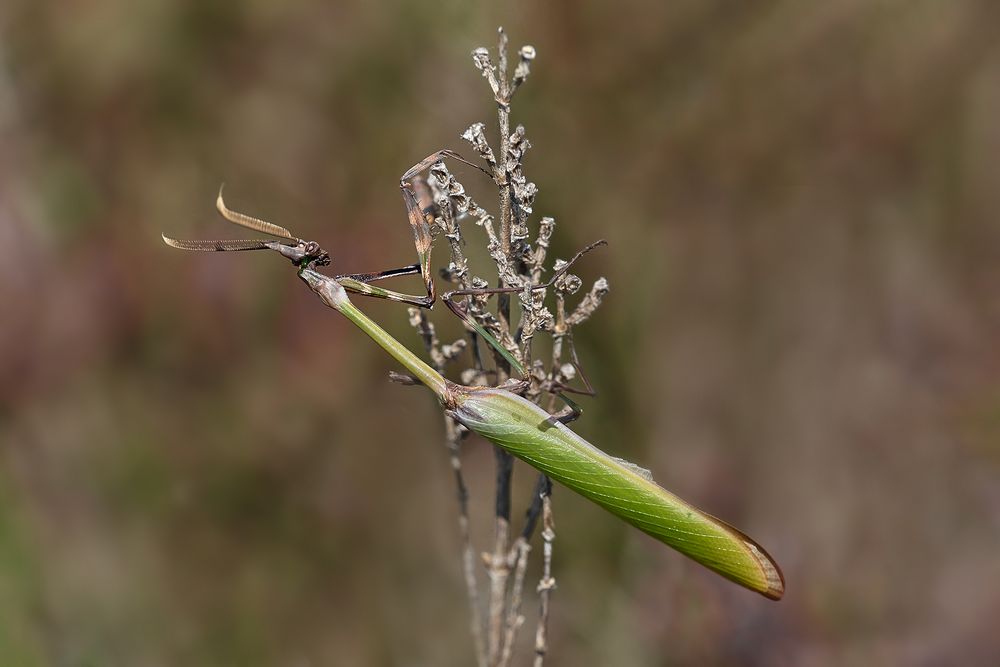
(315, 254)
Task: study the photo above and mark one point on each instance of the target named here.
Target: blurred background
(200, 464)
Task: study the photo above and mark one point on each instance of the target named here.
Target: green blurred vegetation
(199, 464)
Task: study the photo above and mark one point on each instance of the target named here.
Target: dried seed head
(518, 146)
(523, 68)
(567, 283)
(476, 136)
(524, 193)
(481, 58)
(451, 351)
(589, 303)
(519, 232)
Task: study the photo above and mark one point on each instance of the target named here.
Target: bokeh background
(201, 465)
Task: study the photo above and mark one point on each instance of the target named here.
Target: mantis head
(304, 254)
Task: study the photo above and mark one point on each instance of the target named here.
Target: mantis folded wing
(513, 423)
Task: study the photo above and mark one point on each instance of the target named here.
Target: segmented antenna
(216, 246)
(250, 222)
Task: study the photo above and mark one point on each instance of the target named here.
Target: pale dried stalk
(546, 585)
(453, 438)
(521, 264)
(498, 569)
(518, 560)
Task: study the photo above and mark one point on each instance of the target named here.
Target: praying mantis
(500, 414)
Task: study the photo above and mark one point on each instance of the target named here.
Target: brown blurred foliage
(199, 464)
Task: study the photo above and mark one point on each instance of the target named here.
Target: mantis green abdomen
(531, 434)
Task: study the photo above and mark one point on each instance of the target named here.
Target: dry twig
(519, 264)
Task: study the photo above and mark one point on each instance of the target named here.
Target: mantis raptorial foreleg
(420, 214)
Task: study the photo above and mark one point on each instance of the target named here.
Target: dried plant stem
(498, 567)
(521, 265)
(453, 439)
(547, 584)
(500, 174)
(517, 560)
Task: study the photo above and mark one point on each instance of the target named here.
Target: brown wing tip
(774, 579)
(173, 243)
(220, 203)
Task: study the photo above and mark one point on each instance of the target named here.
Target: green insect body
(513, 423)
(531, 434)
